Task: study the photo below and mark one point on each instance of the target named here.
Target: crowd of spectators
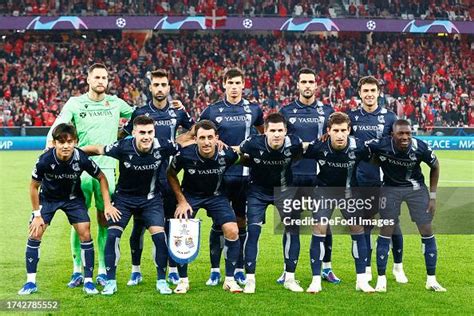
(425, 9)
(427, 79)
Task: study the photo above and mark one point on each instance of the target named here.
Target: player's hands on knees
(36, 226)
(221, 145)
(112, 213)
(178, 105)
(431, 207)
(182, 210)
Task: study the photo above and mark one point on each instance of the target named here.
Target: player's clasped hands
(112, 213)
(182, 210)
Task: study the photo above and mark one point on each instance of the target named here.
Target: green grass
(456, 254)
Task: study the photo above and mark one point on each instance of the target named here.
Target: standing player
(235, 118)
(338, 158)
(400, 157)
(58, 172)
(307, 118)
(138, 194)
(96, 116)
(270, 157)
(167, 120)
(369, 122)
(204, 167)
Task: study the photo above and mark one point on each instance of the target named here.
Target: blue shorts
(75, 210)
(304, 185)
(259, 199)
(217, 207)
(236, 188)
(149, 212)
(391, 199)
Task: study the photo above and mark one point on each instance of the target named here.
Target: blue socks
(231, 255)
(251, 247)
(87, 254)
(430, 252)
(316, 253)
(160, 254)
(359, 252)
(32, 255)
(112, 251)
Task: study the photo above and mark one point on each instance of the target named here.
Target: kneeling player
(337, 158)
(58, 172)
(137, 194)
(204, 167)
(400, 157)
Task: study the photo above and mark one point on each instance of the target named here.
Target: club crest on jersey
(292, 120)
(191, 171)
(127, 164)
(287, 153)
(157, 155)
(322, 162)
(381, 119)
(75, 166)
(221, 161)
(256, 160)
(412, 157)
(320, 111)
(247, 109)
(219, 119)
(352, 155)
(172, 113)
(184, 246)
(382, 158)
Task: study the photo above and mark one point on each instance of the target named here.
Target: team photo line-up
(235, 163)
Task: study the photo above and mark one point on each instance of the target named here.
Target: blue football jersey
(61, 180)
(366, 126)
(402, 169)
(270, 168)
(235, 122)
(167, 120)
(337, 167)
(139, 171)
(203, 176)
(308, 122)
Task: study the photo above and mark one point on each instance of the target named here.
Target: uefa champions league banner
(435, 142)
(221, 22)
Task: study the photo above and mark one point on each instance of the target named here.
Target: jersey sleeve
(231, 156)
(113, 150)
(186, 121)
(372, 145)
(128, 127)
(428, 156)
(313, 149)
(206, 114)
(246, 146)
(177, 161)
(89, 165)
(296, 147)
(169, 148)
(364, 152)
(391, 119)
(38, 171)
(125, 109)
(66, 116)
(259, 116)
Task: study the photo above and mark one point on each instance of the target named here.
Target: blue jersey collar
(376, 112)
(153, 108)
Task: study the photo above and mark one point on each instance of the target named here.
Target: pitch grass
(456, 254)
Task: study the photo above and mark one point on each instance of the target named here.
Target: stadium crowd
(425, 9)
(425, 79)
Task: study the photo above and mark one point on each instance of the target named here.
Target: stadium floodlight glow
(4, 37)
(84, 36)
